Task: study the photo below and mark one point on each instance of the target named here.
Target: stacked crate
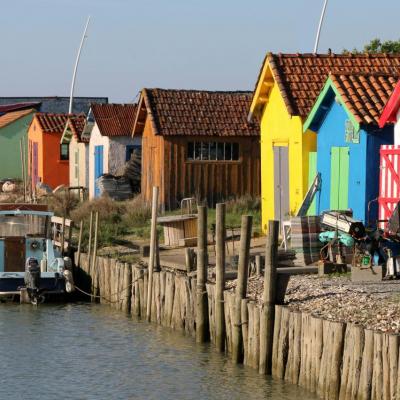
(304, 239)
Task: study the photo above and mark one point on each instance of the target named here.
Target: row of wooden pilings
(333, 359)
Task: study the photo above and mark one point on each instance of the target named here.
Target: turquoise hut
(13, 128)
(345, 117)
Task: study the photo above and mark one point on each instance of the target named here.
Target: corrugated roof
(365, 95)
(199, 112)
(18, 106)
(114, 119)
(10, 117)
(300, 77)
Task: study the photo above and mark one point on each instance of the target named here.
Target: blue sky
(196, 44)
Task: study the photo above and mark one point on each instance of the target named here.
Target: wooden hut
(345, 117)
(286, 90)
(48, 158)
(111, 143)
(197, 144)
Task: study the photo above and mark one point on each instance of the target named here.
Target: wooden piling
(241, 287)
(220, 277)
(201, 292)
(153, 251)
(268, 307)
(94, 259)
(89, 250)
(78, 257)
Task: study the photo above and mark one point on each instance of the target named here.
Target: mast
(320, 26)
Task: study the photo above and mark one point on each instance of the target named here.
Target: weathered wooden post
(189, 259)
(94, 269)
(89, 250)
(78, 257)
(220, 277)
(153, 251)
(258, 264)
(241, 288)
(201, 293)
(268, 307)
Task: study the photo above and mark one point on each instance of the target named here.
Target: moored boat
(31, 266)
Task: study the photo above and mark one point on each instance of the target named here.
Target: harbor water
(85, 351)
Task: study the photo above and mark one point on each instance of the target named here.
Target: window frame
(197, 146)
(64, 158)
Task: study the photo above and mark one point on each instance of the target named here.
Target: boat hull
(48, 285)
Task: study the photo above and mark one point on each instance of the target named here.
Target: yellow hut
(286, 89)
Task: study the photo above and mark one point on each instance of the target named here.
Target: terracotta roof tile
(300, 77)
(365, 95)
(199, 112)
(10, 117)
(114, 119)
(77, 124)
(52, 123)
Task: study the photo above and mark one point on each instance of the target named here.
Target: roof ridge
(201, 90)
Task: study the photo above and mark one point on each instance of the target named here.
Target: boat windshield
(22, 225)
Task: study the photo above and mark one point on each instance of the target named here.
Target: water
(83, 351)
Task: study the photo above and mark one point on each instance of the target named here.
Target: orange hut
(48, 161)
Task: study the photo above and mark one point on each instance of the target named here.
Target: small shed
(389, 182)
(48, 158)
(13, 126)
(76, 135)
(197, 143)
(345, 118)
(111, 143)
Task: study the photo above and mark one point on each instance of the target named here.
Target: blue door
(98, 168)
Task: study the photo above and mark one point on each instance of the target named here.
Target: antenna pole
(320, 26)
(71, 97)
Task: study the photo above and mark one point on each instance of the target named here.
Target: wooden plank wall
(164, 164)
(211, 181)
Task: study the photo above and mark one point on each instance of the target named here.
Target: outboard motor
(32, 280)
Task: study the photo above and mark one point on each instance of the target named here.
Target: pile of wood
(118, 188)
(305, 239)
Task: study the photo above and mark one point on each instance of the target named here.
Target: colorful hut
(111, 143)
(345, 117)
(48, 158)
(286, 90)
(197, 143)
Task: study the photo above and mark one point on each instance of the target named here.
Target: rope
(112, 294)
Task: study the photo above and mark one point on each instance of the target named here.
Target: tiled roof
(364, 95)
(76, 124)
(4, 108)
(300, 77)
(10, 117)
(114, 119)
(195, 112)
(53, 123)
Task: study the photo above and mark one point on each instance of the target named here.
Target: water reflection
(83, 351)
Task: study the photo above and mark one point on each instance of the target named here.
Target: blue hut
(345, 118)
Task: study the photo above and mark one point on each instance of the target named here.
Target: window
(64, 151)
(212, 151)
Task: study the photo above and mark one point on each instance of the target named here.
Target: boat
(31, 265)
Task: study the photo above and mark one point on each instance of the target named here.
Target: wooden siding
(165, 164)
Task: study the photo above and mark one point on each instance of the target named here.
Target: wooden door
(14, 254)
(98, 168)
(281, 183)
(339, 178)
(35, 164)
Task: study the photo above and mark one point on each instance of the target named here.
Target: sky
(190, 44)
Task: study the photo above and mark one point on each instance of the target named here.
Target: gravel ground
(373, 305)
